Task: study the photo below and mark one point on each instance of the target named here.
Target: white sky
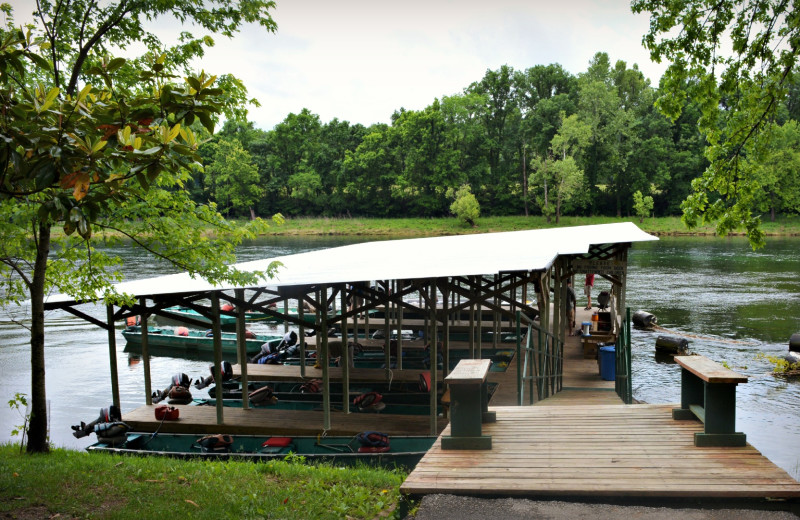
(360, 60)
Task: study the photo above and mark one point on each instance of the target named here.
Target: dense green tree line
(534, 141)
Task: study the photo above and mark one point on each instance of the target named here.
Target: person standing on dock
(587, 290)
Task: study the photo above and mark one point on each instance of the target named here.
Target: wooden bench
(469, 406)
(708, 393)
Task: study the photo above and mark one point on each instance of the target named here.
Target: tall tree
(234, 181)
(738, 90)
(777, 170)
(430, 161)
(567, 177)
(294, 143)
(82, 158)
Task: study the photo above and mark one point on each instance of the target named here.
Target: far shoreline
(420, 227)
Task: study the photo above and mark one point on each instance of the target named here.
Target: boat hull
(194, 341)
(404, 452)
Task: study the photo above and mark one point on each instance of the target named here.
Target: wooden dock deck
(292, 373)
(202, 420)
(598, 451)
(583, 442)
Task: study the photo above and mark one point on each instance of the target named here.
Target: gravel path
(446, 507)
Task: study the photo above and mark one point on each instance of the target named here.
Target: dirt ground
(444, 507)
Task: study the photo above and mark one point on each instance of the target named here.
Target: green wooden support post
(520, 382)
(387, 329)
(216, 329)
(346, 356)
(434, 358)
(302, 336)
(112, 355)
(323, 357)
(400, 336)
(148, 387)
(241, 348)
(445, 334)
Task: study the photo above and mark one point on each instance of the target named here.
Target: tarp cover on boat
(461, 255)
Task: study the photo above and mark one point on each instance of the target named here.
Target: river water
(731, 303)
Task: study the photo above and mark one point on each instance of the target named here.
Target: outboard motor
(603, 299)
(110, 414)
(227, 375)
(177, 392)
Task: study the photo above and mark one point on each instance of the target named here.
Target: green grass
(450, 226)
(76, 484)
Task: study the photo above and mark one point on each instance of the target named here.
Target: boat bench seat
(708, 393)
(469, 406)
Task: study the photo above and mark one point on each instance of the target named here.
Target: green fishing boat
(371, 448)
(183, 339)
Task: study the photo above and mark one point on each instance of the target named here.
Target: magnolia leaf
(48, 100)
(39, 61)
(46, 175)
(115, 64)
(99, 146)
(193, 82)
(69, 227)
(210, 81)
(206, 121)
(83, 93)
(81, 186)
(84, 229)
(174, 132)
(68, 180)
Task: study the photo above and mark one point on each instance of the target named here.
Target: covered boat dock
(582, 437)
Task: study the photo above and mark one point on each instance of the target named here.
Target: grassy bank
(71, 484)
(416, 227)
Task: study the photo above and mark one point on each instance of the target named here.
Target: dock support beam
(148, 387)
(112, 355)
(217, 340)
(241, 350)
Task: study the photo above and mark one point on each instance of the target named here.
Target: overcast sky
(360, 60)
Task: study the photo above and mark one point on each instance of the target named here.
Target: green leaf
(46, 175)
(206, 121)
(52, 94)
(115, 64)
(194, 83)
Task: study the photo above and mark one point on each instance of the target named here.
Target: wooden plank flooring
(583, 442)
(597, 450)
(292, 373)
(202, 420)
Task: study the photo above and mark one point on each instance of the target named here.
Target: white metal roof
(461, 255)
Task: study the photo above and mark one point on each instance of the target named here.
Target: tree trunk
(558, 208)
(545, 198)
(37, 431)
(252, 213)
